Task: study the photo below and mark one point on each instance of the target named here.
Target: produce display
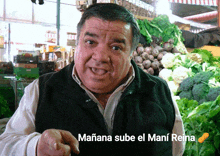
(202, 87)
(149, 58)
(193, 78)
(6, 102)
(161, 28)
(200, 119)
(162, 38)
(192, 75)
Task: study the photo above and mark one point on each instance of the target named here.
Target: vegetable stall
(193, 77)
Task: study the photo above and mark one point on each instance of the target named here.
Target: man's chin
(100, 89)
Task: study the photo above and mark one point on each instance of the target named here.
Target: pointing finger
(71, 140)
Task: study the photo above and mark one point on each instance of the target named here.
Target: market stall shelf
(19, 86)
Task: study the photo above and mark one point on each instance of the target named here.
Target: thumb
(71, 140)
(66, 150)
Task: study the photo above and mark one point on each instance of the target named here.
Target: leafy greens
(161, 27)
(198, 120)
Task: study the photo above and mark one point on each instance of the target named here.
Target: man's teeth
(98, 71)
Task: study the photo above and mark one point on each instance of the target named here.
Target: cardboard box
(23, 59)
(25, 65)
(25, 72)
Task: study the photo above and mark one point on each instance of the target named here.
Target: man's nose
(101, 54)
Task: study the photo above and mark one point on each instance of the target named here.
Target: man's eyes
(90, 42)
(116, 48)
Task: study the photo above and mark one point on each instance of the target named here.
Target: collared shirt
(109, 111)
(20, 138)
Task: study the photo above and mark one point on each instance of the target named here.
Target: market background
(179, 42)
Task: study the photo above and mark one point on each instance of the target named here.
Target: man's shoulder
(45, 77)
(54, 76)
(156, 79)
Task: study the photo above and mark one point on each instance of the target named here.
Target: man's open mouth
(98, 71)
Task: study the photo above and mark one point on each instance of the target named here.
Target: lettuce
(198, 120)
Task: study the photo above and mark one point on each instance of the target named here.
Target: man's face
(102, 57)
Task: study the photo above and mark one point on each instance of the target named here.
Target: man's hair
(111, 12)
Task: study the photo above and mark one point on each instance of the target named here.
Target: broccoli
(200, 91)
(202, 77)
(202, 100)
(186, 84)
(186, 94)
(213, 94)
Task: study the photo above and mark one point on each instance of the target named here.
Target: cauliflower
(183, 58)
(177, 61)
(165, 74)
(212, 68)
(180, 73)
(168, 60)
(173, 86)
(213, 83)
(195, 57)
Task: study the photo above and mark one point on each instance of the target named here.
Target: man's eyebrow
(119, 40)
(95, 35)
(91, 34)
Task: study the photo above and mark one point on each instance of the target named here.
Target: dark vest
(145, 108)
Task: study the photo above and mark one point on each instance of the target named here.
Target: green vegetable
(206, 56)
(195, 57)
(217, 76)
(154, 30)
(202, 77)
(186, 94)
(200, 87)
(203, 100)
(161, 21)
(195, 67)
(161, 27)
(200, 91)
(7, 93)
(213, 93)
(186, 106)
(4, 108)
(198, 120)
(172, 32)
(144, 31)
(186, 84)
(170, 78)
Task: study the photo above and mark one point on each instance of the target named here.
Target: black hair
(111, 12)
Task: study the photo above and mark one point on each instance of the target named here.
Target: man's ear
(76, 51)
(130, 57)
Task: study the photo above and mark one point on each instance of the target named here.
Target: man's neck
(102, 98)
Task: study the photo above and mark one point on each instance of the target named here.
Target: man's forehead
(101, 24)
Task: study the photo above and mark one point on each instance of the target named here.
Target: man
(101, 94)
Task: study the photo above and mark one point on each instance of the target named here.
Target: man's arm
(19, 137)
